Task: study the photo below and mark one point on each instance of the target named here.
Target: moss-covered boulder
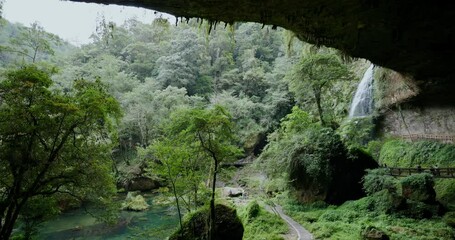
(373, 233)
(419, 187)
(449, 219)
(134, 202)
(322, 169)
(195, 227)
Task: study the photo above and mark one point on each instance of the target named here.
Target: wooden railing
(436, 172)
(441, 138)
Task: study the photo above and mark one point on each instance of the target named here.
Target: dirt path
(302, 233)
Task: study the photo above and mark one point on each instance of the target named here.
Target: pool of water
(156, 223)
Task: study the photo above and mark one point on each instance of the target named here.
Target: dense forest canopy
(156, 69)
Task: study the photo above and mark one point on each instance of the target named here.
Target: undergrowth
(348, 220)
(260, 224)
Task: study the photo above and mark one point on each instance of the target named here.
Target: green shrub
(252, 211)
(275, 185)
(445, 192)
(449, 219)
(401, 153)
(195, 226)
(418, 187)
(377, 180)
(260, 224)
(356, 132)
(420, 210)
(374, 149)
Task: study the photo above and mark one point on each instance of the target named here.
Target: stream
(158, 222)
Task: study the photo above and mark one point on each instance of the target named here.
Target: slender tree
(208, 132)
(313, 77)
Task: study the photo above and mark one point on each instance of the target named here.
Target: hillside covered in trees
(167, 109)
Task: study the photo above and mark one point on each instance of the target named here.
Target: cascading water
(362, 104)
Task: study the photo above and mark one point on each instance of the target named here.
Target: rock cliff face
(424, 121)
(408, 107)
(412, 37)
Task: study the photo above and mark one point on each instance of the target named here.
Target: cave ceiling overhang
(412, 37)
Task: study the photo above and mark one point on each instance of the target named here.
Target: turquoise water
(156, 223)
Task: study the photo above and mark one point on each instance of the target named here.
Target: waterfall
(362, 104)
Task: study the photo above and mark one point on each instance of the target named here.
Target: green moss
(195, 226)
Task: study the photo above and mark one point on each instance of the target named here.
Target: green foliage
(313, 158)
(32, 44)
(53, 142)
(449, 219)
(195, 227)
(418, 181)
(315, 83)
(377, 180)
(418, 187)
(285, 140)
(261, 224)
(37, 210)
(307, 153)
(251, 211)
(135, 202)
(401, 153)
(374, 149)
(349, 220)
(356, 132)
(445, 192)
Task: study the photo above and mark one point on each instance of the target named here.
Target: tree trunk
(178, 205)
(175, 196)
(317, 98)
(9, 221)
(212, 218)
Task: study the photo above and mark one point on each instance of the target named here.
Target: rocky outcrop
(425, 121)
(412, 109)
(232, 192)
(139, 184)
(414, 37)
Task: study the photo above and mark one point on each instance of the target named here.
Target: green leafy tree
(52, 143)
(209, 133)
(183, 169)
(33, 43)
(304, 153)
(314, 77)
(186, 65)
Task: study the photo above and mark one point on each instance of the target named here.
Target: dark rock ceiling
(412, 37)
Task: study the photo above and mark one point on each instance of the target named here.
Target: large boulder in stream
(195, 227)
